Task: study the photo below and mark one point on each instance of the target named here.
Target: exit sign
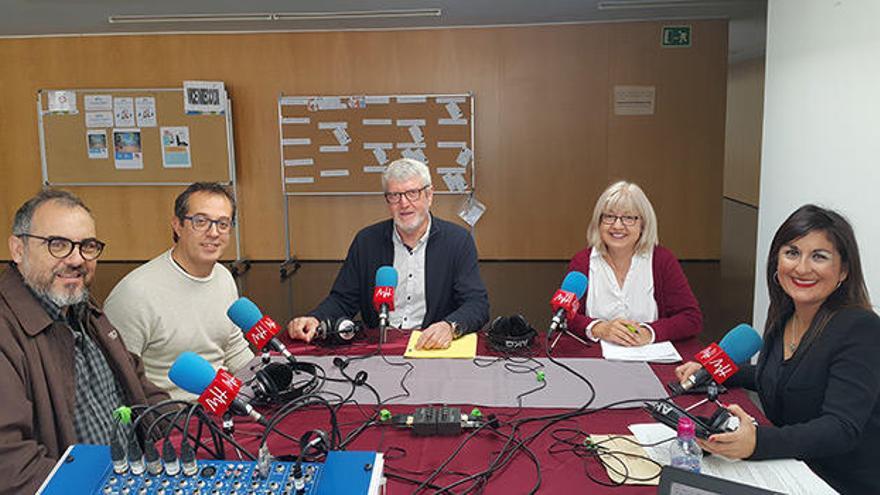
(676, 36)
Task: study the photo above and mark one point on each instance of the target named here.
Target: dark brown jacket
(37, 383)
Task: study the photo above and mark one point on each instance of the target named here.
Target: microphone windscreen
(575, 282)
(244, 313)
(191, 372)
(386, 276)
(741, 343)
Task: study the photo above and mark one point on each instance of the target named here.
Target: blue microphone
(259, 330)
(566, 300)
(720, 361)
(217, 391)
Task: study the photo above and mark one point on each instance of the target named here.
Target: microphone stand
(566, 331)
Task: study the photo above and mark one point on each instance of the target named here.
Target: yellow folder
(462, 348)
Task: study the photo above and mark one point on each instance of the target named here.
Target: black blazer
(454, 290)
(825, 401)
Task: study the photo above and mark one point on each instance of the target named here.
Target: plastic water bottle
(684, 451)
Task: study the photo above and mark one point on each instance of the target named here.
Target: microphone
(566, 300)
(720, 361)
(259, 330)
(218, 392)
(383, 293)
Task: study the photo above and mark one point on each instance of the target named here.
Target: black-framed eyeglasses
(61, 247)
(202, 223)
(628, 220)
(412, 195)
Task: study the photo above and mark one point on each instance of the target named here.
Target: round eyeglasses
(61, 247)
(628, 220)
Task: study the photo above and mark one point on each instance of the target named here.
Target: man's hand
(302, 328)
(437, 336)
(622, 332)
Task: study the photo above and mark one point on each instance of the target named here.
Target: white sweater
(160, 311)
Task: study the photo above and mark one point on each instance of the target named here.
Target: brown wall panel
(546, 140)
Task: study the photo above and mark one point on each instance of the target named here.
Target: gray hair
(25, 214)
(405, 169)
(625, 196)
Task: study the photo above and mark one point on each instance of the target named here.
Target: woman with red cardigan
(638, 293)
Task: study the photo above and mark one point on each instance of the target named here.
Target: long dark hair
(851, 292)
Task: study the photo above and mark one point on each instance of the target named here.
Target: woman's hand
(687, 369)
(622, 332)
(737, 444)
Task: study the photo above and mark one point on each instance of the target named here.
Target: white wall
(821, 138)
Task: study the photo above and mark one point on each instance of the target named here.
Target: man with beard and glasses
(63, 367)
(177, 301)
(439, 289)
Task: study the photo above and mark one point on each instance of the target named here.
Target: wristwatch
(456, 330)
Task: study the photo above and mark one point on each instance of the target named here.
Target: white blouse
(606, 300)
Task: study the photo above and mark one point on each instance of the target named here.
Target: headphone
(275, 382)
(340, 331)
(511, 334)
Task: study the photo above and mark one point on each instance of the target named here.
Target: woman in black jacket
(818, 374)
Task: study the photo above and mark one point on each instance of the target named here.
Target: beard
(416, 221)
(41, 284)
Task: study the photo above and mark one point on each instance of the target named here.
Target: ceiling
(69, 17)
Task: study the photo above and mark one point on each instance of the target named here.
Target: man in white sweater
(177, 302)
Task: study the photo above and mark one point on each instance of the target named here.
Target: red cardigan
(678, 310)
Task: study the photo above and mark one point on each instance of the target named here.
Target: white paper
(380, 155)
(660, 352)
(376, 121)
(294, 100)
(378, 100)
(99, 119)
(447, 99)
(98, 102)
(411, 99)
(127, 151)
(411, 122)
(455, 182)
(299, 162)
(204, 97)
(296, 142)
(333, 149)
(96, 142)
(299, 180)
(341, 172)
(464, 157)
(452, 121)
(175, 147)
(332, 125)
(326, 103)
(415, 154)
(123, 111)
(341, 136)
(783, 475)
(295, 120)
(416, 133)
(454, 111)
(384, 146)
(451, 170)
(374, 169)
(145, 110)
(634, 100)
(471, 211)
(402, 146)
(61, 101)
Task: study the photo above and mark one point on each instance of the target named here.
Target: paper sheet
(462, 348)
(660, 352)
(783, 475)
(627, 458)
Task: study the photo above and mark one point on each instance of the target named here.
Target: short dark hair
(25, 214)
(181, 204)
(852, 292)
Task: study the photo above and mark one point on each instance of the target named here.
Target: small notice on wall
(127, 151)
(204, 97)
(634, 100)
(97, 143)
(61, 101)
(175, 147)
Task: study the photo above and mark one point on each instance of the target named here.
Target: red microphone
(383, 293)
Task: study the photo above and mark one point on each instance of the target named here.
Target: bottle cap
(686, 427)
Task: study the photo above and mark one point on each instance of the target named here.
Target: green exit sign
(676, 36)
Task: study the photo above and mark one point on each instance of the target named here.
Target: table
(417, 457)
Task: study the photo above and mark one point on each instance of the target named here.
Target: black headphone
(276, 382)
(337, 332)
(511, 334)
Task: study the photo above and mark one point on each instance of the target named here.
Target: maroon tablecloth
(417, 457)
